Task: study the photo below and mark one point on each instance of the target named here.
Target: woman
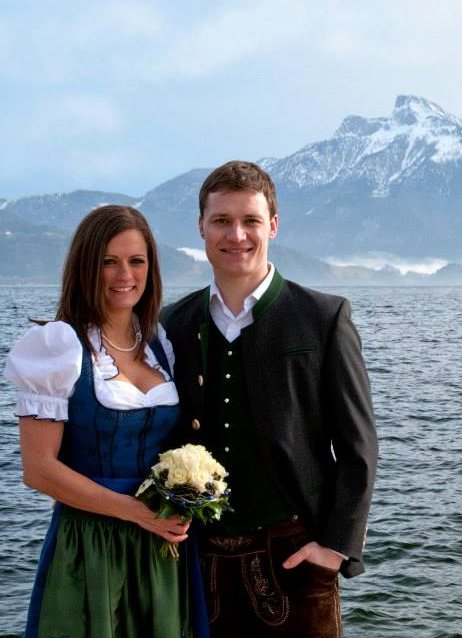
(96, 404)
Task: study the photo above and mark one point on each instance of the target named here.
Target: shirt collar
(250, 300)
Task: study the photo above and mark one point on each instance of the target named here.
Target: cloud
(394, 34)
(63, 134)
(70, 114)
(165, 77)
(196, 253)
(91, 166)
(51, 45)
(144, 41)
(235, 34)
(377, 261)
(135, 19)
(147, 41)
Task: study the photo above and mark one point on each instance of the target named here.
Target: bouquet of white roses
(189, 482)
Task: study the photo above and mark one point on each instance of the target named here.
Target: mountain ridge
(387, 184)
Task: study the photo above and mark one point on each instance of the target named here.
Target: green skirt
(106, 579)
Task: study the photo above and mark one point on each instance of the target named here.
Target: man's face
(236, 226)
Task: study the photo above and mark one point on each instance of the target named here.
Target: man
(272, 381)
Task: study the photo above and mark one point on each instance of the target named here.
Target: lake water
(413, 584)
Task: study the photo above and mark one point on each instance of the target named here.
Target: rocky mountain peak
(267, 162)
(358, 125)
(415, 140)
(391, 184)
(410, 109)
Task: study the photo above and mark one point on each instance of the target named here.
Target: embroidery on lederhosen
(209, 571)
(231, 543)
(227, 545)
(268, 600)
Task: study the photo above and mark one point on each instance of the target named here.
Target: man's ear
(201, 226)
(273, 226)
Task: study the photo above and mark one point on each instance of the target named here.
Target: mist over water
(378, 260)
(413, 584)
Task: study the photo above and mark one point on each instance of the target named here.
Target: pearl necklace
(130, 349)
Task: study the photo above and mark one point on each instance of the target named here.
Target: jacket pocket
(298, 350)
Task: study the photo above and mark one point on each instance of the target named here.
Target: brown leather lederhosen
(246, 585)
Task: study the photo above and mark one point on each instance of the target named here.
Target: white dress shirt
(231, 325)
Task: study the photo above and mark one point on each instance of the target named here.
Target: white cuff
(41, 406)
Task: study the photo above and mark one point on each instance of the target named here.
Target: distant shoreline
(343, 284)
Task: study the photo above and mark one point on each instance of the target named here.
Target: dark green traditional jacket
(309, 399)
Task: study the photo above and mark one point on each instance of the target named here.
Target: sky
(122, 96)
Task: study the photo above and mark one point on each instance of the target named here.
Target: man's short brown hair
(238, 175)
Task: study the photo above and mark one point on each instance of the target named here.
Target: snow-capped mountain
(380, 152)
(387, 184)
(378, 185)
(390, 184)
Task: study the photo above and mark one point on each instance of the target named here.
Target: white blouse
(46, 363)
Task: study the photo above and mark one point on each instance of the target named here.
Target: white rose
(199, 479)
(161, 467)
(220, 488)
(165, 457)
(177, 476)
(191, 464)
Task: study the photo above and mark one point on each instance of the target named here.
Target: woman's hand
(172, 529)
(43, 471)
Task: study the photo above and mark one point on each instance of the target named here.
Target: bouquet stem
(169, 550)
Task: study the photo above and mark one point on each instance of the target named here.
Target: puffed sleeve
(44, 365)
(167, 345)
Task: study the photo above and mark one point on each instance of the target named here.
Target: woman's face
(125, 270)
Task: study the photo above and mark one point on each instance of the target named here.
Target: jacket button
(200, 380)
(195, 424)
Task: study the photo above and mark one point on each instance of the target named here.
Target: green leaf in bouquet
(150, 497)
(166, 509)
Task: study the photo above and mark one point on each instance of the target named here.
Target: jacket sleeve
(348, 412)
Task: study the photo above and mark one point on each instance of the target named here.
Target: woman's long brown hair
(82, 302)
